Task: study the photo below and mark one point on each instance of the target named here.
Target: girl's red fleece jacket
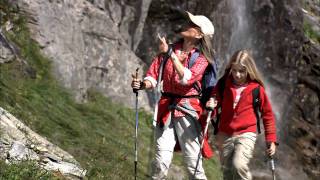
(242, 118)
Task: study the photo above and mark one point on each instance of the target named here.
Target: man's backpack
(209, 78)
(256, 102)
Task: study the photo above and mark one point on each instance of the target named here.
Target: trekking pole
(202, 142)
(136, 132)
(272, 166)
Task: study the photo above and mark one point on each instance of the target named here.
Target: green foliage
(25, 170)
(99, 133)
(310, 33)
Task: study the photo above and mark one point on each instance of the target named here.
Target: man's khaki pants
(186, 131)
(235, 154)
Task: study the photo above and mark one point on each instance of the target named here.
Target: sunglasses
(189, 24)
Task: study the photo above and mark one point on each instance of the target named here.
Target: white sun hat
(203, 22)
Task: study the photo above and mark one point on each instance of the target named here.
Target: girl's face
(239, 73)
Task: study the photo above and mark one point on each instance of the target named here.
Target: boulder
(19, 143)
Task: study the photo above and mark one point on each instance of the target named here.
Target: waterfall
(234, 29)
(240, 30)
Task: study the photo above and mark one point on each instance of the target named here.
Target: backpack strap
(163, 63)
(221, 86)
(256, 105)
(193, 58)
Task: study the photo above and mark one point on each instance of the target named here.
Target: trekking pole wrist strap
(170, 50)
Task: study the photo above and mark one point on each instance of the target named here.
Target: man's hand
(136, 84)
(163, 45)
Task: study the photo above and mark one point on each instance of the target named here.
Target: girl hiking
(179, 107)
(238, 122)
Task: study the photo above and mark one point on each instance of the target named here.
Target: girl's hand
(212, 103)
(163, 45)
(271, 149)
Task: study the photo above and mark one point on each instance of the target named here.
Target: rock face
(304, 123)
(96, 44)
(90, 43)
(6, 50)
(18, 142)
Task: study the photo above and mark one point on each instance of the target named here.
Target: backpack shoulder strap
(193, 58)
(221, 86)
(160, 75)
(256, 105)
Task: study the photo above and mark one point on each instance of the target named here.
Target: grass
(24, 170)
(99, 133)
(310, 33)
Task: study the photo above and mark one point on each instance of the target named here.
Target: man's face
(189, 29)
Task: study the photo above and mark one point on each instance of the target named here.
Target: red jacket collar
(251, 84)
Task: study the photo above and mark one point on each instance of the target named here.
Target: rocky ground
(20, 143)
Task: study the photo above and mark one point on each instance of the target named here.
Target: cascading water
(240, 38)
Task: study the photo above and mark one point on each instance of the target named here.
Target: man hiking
(179, 107)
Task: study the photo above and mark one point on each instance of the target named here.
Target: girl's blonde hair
(244, 58)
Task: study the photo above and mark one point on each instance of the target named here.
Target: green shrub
(310, 33)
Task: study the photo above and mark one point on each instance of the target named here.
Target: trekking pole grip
(210, 108)
(136, 76)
